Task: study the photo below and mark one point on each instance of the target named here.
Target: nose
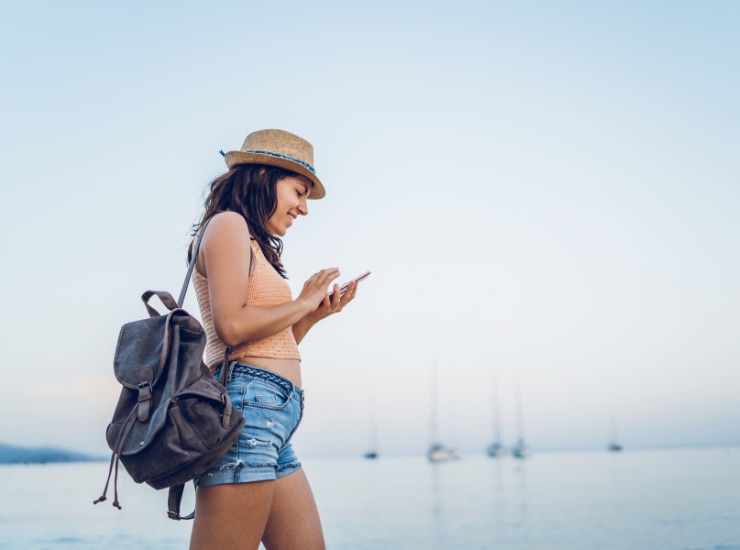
(303, 207)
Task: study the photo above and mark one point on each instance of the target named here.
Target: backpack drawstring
(116, 458)
(115, 484)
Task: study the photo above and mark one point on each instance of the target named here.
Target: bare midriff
(287, 368)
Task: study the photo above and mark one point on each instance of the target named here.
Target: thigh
(293, 522)
(231, 516)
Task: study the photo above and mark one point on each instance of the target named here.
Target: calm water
(659, 499)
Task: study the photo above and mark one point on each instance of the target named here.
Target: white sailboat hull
(440, 453)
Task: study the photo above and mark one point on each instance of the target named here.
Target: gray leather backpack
(173, 420)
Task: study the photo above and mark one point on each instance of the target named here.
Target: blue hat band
(278, 155)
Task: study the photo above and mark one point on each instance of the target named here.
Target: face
(292, 193)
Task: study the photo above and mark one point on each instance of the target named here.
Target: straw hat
(282, 149)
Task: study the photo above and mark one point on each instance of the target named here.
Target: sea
(664, 499)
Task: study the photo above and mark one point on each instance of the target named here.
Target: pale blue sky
(543, 190)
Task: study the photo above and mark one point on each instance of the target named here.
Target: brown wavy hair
(249, 190)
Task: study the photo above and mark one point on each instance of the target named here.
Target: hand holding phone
(343, 288)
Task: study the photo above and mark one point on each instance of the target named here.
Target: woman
(258, 491)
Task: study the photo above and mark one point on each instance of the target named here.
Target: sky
(547, 194)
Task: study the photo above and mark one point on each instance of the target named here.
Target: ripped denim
(272, 408)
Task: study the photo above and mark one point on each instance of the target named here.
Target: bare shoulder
(226, 239)
(228, 226)
(227, 222)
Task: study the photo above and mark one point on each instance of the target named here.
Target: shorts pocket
(265, 396)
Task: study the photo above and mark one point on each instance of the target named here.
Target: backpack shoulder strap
(191, 265)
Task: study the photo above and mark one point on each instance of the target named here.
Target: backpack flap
(145, 344)
(142, 345)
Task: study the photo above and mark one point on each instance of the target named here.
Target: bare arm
(225, 258)
(301, 328)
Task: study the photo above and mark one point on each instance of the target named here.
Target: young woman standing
(258, 491)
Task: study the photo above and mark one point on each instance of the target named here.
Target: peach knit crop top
(266, 289)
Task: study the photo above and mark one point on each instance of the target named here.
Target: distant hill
(19, 455)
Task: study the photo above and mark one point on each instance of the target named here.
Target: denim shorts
(272, 407)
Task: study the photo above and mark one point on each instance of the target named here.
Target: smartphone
(343, 288)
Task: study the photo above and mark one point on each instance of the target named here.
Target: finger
(332, 275)
(349, 293)
(338, 298)
(343, 298)
(352, 291)
(330, 298)
(335, 294)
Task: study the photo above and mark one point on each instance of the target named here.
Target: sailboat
(614, 446)
(373, 452)
(520, 450)
(440, 453)
(437, 451)
(496, 448)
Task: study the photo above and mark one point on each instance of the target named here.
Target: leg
(294, 522)
(231, 516)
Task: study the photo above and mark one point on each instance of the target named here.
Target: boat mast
(373, 425)
(613, 426)
(519, 409)
(434, 416)
(496, 411)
